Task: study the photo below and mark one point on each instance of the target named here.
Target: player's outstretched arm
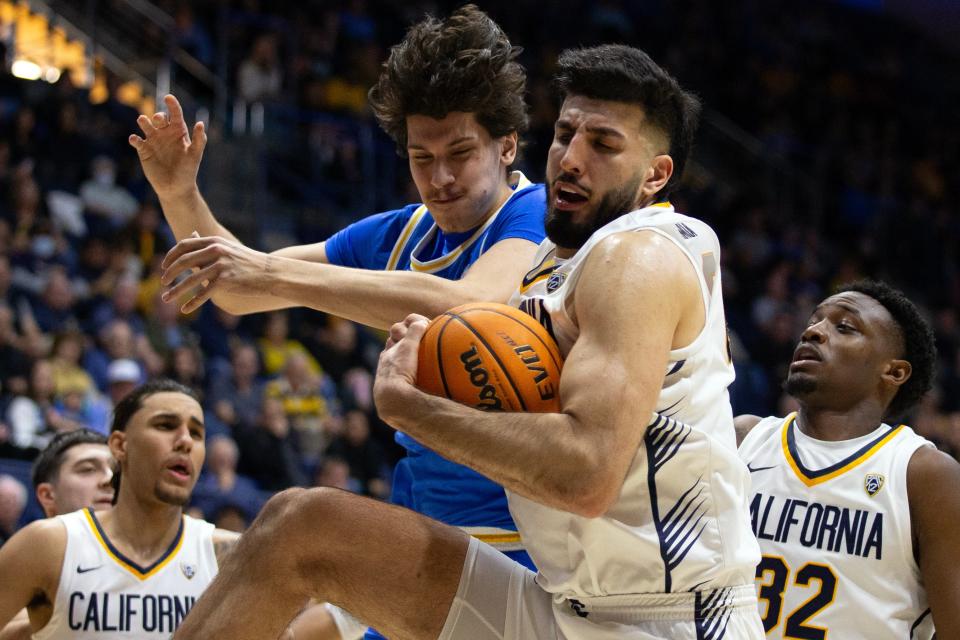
(933, 487)
(170, 158)
(575, 460)
(30, 562)
(242, 280)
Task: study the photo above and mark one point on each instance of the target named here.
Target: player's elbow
(589, 492)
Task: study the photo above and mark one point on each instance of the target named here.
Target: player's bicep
(34, 555)
(316, 252)
(629, 302)
(933, 485)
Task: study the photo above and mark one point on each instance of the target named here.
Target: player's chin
(176, 496)
(801, 383)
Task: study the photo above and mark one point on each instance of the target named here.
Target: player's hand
(397, 370)
(213, 264)
(170, 158)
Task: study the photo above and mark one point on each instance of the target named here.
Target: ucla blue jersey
(408, 239)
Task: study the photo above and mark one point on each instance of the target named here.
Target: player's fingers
(173, 106)
(198, 300)
(187, 262)
(136, 141)
(145, 125)
(192, 284)
(160, 120)
(414, 317)
(187, 245)
(397, 332)
(199, 138)
(416, 330)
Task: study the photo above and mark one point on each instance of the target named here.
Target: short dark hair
(463, 63)
(133, 402)
(919, 346)
(624, 74)
(46, 468)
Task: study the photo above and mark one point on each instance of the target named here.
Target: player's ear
(118, 446)
(45, 497)
(508, 148)
(896, 372)
(657, 176)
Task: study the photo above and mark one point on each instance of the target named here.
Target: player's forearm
(546, 457)
(189, 212)
(373, 298)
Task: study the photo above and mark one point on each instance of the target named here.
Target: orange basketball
(492, 357)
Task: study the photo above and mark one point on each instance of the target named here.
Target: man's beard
(799, 385)
(175, 498)
(567, 234)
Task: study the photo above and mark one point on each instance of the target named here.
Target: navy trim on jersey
(811, 474)
(116, 552)
(918, 621)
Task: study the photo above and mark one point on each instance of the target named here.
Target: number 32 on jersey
(773, 574)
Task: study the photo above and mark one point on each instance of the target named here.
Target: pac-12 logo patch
(555, 280)
(188, 570)
(873, 483)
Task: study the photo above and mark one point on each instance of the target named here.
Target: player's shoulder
(931, 471)
(753, 431)
(42, 543)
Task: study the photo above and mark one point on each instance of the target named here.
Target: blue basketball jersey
(409, 239)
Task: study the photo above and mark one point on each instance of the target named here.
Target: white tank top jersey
(833, 521)
(104, 595)
(681, 522)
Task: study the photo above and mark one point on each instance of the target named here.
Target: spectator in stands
(109, 205)
(221, 485)
(13, 500)
(237, 398)
(65, 361)
(118, 341)
(363, 455)
(185, 365)
(123, 376)
(309, 400)
(121, 306)
(164, 329)
(33, 418)
(276, 345)
(55, 311)
(14, 361)
(267, 451)
(260, 77)
(335, 472)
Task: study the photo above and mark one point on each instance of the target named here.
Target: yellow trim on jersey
(810, 482)
(405, 237)
(126, 565)
(498, 538)
(548, 271)
(663, 205)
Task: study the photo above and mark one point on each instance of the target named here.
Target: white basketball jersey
(104, 595)
(833, 521)
(680, 523)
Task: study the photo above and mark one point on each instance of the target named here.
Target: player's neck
(834, 425)
(141, 529)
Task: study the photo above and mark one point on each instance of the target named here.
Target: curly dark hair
(464, 63)
(919, 347)
(625, 74)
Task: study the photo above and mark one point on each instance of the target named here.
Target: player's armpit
(933, 488)
(35, 556)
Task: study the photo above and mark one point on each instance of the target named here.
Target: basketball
(492, 357)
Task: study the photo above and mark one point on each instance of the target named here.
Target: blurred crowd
(849, 169)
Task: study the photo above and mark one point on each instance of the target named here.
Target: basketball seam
(443, 374)
(493, 354)
(533, 333)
